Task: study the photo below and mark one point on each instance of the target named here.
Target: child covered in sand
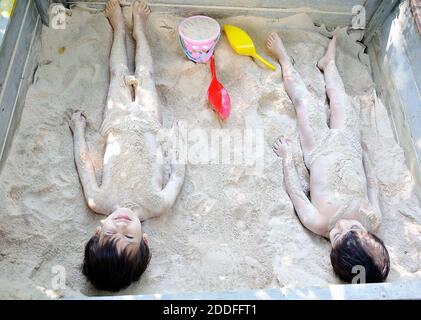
(344, 202)
(133, 186)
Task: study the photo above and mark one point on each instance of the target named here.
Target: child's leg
(341, 109)
(146, 94)
(311, 122)
(119, 95)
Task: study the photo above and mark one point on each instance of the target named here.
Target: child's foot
(114, 14)
(276, 47)
(141, 12)
(281, 148)
(329, 56)
(78, 121)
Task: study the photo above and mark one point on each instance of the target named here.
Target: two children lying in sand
(135, 188)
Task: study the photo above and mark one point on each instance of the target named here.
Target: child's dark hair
(109, 270)
(360, 249)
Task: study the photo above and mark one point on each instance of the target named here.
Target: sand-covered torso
(337, 178)
(133, 168)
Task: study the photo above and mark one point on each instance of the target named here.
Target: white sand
(228, 230)
(199, 29)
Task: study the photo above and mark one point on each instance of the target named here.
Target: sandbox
(233, 228)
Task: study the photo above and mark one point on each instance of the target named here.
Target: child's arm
(161, 202)
(84, 164)
(372, 188)
(173, 187)
(307, 213)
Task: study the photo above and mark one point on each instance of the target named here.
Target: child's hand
(281, 148)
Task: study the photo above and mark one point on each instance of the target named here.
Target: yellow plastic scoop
(243, 45)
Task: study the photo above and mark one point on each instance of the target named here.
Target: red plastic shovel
(217, 94)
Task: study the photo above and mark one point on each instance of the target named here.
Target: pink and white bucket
(198, 37)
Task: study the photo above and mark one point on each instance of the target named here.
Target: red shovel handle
(212, 67)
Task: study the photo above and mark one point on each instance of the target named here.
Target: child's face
(124, 226)
(342, 227)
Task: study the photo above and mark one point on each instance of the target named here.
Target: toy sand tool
(243, 45)
(218, 95)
